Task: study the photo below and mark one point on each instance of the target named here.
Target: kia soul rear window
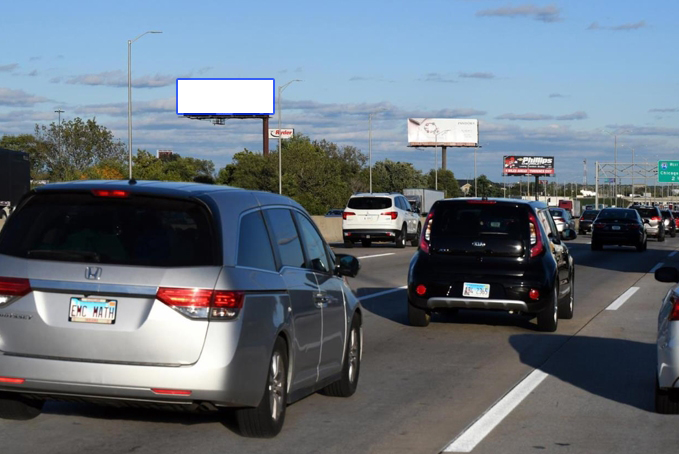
(369, 203)
(476, 220)
(139, 230)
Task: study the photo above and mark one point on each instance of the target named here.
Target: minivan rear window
(139, 230)
(647, 212)
(369, 203)
(474, 220)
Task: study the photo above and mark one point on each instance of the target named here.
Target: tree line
(318, 174)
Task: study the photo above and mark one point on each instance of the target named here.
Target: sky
(560, 78)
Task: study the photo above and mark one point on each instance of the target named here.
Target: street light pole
(280, 144)
(129, 95)
(59, 111)
(437, 133)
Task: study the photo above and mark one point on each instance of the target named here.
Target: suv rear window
(588, 215)
(140, 230)
(475, 220)
(370, 203)
(647, 212)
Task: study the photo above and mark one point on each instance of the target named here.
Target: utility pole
(59, 111)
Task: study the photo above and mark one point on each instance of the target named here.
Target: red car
(676, 218)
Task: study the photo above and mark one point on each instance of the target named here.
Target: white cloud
(550, 13)
(19, 98)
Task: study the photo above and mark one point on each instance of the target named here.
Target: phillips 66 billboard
(528, 165)
(442, 132)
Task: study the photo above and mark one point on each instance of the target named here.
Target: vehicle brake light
(534, 294)
(12, 380)
(393, 214)
(202, 303)
(172, 392)
(674, 313)
(535, 238)
(482, 202)
(655, 218)
(346, 214)
(599, 225)
(117, 193)
(421, 290)
(12, 288)
(426, 233)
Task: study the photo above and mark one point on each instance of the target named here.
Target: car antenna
(132, 181)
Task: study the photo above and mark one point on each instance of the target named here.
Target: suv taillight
(346, 214)
(426, 233)
(199, 303)
(536, 247)
(393, 214)
(655, 218)
(12, 288)
(674, 311)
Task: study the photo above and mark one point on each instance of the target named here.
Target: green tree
(75, 146)
(36, 150)
(446, 182)
(390, 176)
(487, 188)
(173, 168)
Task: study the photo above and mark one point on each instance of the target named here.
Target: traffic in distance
(97, 278)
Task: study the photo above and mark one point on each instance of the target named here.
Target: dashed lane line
(385, 292)
(376, 255)
(615, 305)
(659, 265)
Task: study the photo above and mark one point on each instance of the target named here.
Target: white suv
(380, 217)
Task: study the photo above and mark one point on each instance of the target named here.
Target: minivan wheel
(346, 385)
(18, 408)
(366, 243)
(401, 240)
(566, 306)
(417, 316)
(661, 237)
(266, 420)
(666, 400)
(548, 319)
(416, 241)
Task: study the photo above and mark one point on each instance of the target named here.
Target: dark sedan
(586, 220)
(618, 226)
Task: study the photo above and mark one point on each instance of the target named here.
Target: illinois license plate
(476, 290)
(92, 310)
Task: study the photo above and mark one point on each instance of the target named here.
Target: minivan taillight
(425, 237)
(202, 303)
(655, 218)
(536, 247)
(346, 214)
(393, 214)
(12, 288)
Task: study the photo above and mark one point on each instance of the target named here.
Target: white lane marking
(673, 254)
(377, 255)
(615, 305)
(385, 292)
(475, 433)
(659, 265)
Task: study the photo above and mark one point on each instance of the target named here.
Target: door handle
(321, 300)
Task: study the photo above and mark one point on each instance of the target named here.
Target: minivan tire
(346, 385)
(666, 400)
(19, 408)
(661, 237)
(401, 240)
(416, 241)
(417, 316)
(548, 319)
(260, 421)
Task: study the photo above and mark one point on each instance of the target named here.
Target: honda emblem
(93, 273)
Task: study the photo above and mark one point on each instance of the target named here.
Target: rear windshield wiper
(71, 256)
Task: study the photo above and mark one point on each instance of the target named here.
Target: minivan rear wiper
(71, 256)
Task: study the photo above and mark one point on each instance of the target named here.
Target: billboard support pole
(265, 135)
(444, 161)
(537, 185)
(596, 185)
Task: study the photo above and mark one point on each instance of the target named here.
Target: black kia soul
(499, 254)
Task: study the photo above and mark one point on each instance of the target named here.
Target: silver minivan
(195, 295)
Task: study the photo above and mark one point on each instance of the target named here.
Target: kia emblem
(478, 244)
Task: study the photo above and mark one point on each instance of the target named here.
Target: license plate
(370, 218)
(616, 227)
(92, 310)
(476, 290)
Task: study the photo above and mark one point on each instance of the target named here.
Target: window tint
(548, 224)
(618, 214)
(285, 236)
(648, 212)
(139, 230)
(315, 247)
(473, 220)
(589, 214)
(254, 247)
(370, 203)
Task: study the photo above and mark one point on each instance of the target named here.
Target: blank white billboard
(225, 96)
(443, 132)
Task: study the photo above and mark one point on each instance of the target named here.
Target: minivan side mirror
(568, 234)
(667, 274)
(347, 265)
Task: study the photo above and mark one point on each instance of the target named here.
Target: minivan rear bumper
(223, 376)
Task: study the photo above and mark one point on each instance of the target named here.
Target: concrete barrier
(331, 228)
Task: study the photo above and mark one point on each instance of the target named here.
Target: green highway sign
(668, 171)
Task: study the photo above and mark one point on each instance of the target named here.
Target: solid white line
(375, 295)
(673, 254)
(377, 255)
(475, 433)
(659, 265)
(615, 305)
